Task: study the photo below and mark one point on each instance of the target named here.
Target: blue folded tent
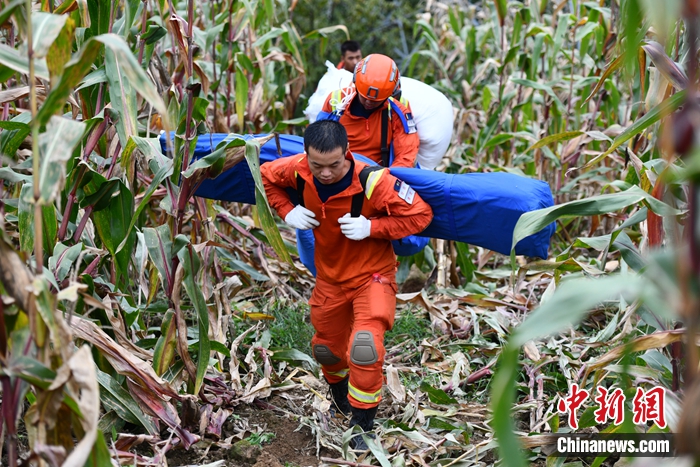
(478, 208)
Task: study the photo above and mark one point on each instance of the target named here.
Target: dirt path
(293, 445)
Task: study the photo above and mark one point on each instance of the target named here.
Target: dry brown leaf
(651, 341)
(86, 393)
(178, 26)
(393, 382)
(162, 409)
(531, 351)
(15, 276)
(119, 329)
(234, 363)
(121, 359)
(182, 349)
(261, 390)
(216, 423)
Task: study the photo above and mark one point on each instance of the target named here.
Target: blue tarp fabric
(237, 184)
(479, 208)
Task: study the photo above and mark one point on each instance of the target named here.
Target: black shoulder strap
(385, 134)
(301, 183)
(359, 199)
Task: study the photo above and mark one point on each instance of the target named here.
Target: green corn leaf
(191, 263)
(100, 11)
(56, 148)
(11, 58)
(124, 72)
(501, 10)
(74, 71)
(112, 224)
(63, 259)
(540, 87)
(116, 398)
(45, 29)
(437, 396)
(534, 221)
(61, 49)
(498, 139)
(26, 221)
(13, 134)
(30, 370)
(252, 154)
(95, 77)
(9, 10)
(292, 356)
(159, 244)
(241, 96)
(564, 136)
(165, 169)
(165, 349)
(502, 400)
(659, 112)
(100, 454)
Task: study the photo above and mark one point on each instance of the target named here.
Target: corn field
(138, 321)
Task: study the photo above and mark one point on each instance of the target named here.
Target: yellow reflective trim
(366, 397)
(336, 96)
(342, 373)
(372, 182)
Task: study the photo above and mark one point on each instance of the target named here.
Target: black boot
(339, 391)
(365, 419)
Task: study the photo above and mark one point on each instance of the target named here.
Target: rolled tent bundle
(481, 208)
(478, 208)
(237, 184)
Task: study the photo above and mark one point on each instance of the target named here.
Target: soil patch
(278, 440)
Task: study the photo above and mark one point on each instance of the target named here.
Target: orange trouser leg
(331, 317)
(374, 306)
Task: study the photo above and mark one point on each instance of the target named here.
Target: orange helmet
(376, 77)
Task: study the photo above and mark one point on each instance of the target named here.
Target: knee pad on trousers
(324, 356)
(363, 351)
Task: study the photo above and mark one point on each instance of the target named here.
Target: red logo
(571, 403)
(649, 406)
(610, 406)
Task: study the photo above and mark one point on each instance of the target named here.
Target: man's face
(327, 167)
(350, 59)
(368, 104)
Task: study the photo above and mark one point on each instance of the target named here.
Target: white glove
(301, 218)
(355, 228)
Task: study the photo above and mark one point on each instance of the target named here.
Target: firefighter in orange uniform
(354, 300)
(378, 121)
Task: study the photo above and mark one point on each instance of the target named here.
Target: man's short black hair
(349, 46)
(325, 136)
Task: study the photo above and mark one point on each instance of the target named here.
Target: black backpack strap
(301, 183)
(385, 134)
(359, 199)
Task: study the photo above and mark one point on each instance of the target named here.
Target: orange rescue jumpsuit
(365, 134)
(354, 300)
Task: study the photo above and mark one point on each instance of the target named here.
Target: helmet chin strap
(347, 95)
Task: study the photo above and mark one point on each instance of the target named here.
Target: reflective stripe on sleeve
(341, 374)
(366, 397)
(372, 180)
